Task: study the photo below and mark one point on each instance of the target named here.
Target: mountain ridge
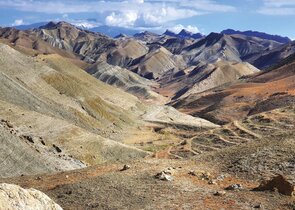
(262, 35)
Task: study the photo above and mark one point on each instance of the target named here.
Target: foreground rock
(13, 197)
(279, 183)
(125, 167)
(234, 187)
(165, 175)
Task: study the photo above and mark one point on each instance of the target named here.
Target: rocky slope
(197, 67)
(226, 47)
(65, 36)
(128, 51)
(53, 109)
(29, 42)
(176, 45)
(66, 118)
(202, 77)
(258, 93)
(126, 80)
(271, 58)
(157, 62)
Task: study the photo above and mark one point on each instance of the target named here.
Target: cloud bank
(278, 7)
(124, 13)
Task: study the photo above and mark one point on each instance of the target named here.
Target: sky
(205, 16)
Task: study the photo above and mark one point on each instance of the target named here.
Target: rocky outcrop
(279, 183)
(13, 197)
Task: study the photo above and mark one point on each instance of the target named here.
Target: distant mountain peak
(50, 24)
(169, 33)
(53, 25)
(258, 34)
(183, 34)
(215, 35)
(145, 33)
(121, 35)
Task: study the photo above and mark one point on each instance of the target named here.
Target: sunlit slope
(66, 107)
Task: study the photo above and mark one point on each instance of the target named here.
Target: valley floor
(242, 152)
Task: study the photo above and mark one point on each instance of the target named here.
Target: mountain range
(98, 121)
(261, 35)
(113, 31)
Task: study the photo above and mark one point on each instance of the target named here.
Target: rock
(221, 177)
(169, 171)
(220, 193)
(29, 138)
(201, 175)
(279, 183)
(258, 206)
(212, 182)
(234, 187)
(183, 142)
(16, 198)
(125, 167)
(193, 173)
(9, 125)
(57, 148)
(163, 176)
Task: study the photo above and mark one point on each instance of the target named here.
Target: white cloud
(207, 5)
(277, 7)
(279, 3)
(179, 27)
(84, 23)
(137, 1)
(127, 13)
(158, 16)
(126, 19)
(18, 22)
(277, 11)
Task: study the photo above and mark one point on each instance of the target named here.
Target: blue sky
(205, 16)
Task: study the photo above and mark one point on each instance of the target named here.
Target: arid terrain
(171, 121)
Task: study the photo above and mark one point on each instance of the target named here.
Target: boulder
(202, 175)
(234, 187)
(278, 183)
(219, 193)
(125, 167)
(163, 176)
(13, 197)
